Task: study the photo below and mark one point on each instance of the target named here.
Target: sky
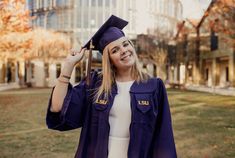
(193, 9)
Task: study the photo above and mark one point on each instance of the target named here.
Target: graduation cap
(110, 31)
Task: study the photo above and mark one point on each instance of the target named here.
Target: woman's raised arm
(61, 86)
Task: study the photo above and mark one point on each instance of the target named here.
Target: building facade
(217, 50)
(204, 54)
(83, 17)
(79, 19)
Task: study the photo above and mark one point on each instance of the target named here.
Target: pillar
(232, 69)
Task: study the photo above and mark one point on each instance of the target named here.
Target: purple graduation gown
(151, 134)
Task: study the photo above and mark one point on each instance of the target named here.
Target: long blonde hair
(108, 74)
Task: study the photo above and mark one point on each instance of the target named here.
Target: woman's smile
(126, 57)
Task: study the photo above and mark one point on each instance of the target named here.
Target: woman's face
(121, 54)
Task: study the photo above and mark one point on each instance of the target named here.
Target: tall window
(46, 70)
(32, 69)
(190, 70)
(207, 74)
(155, 71)
(58, 70)
(227, 74)
(214, 40)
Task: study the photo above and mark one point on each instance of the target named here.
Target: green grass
(204, 126)
(23, 133)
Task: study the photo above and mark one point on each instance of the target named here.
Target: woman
(123, 113)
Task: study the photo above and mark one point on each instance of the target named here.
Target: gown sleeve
(73, 110)
(163, 140)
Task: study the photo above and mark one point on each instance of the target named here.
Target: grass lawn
(204, 126)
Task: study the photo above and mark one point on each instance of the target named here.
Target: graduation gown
(151, 134)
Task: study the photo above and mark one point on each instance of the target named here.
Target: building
(182, 56)
(204, 53)
(217, 57)
(83, 17)
(79, 20)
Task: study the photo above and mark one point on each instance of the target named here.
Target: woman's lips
(126, 57)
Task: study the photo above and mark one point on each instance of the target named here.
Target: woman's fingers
(74, 52)
(75, 55)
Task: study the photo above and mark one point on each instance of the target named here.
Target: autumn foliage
(19, 40)
(14, 17)
(221, 17)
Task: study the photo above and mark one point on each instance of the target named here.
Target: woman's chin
(127, 65)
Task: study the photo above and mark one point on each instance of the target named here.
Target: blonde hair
(108, 74)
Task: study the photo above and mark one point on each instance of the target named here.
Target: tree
(221, 19)
(19, 40)
(14, 17)
(47, 44)
(14, 24)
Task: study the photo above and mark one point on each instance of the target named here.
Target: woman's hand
(71, 60)
(75, 56)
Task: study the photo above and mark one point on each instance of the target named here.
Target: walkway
(214, 90)
(6, 86)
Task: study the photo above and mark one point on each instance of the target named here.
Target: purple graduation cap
(110, 31)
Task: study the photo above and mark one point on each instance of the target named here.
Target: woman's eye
(114, 51)
(126, 44)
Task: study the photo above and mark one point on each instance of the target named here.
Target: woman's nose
(123, 50)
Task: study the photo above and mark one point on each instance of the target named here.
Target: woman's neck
(123, 76)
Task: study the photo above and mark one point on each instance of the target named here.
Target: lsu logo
(143, 102)
(101, 101)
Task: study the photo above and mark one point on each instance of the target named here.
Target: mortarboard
(110, 31)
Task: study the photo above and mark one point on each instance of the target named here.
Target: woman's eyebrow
(114, 48)
(125, 41)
